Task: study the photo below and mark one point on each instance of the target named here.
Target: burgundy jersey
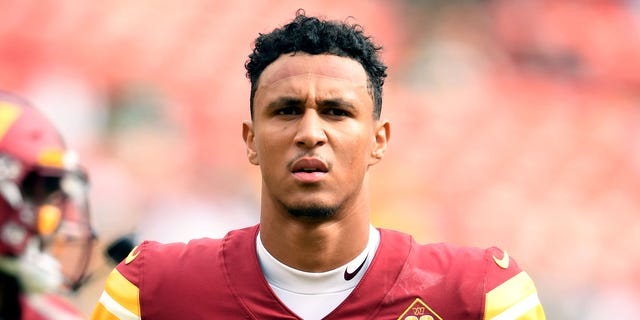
(222, 279)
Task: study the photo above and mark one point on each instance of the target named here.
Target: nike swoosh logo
(504, 262)
(350, 275)
(132, 255)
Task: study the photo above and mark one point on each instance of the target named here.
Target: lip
(320, 169)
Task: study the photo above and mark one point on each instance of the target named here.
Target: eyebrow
(337, 103)
(284, 102)
(296, 102)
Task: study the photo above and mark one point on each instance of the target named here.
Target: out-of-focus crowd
(514, 123)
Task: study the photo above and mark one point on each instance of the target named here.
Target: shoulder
(148, 265)
(489, 266)
(156, 258)
(447, 256)
(151, 257)
(441, 255)
(149, 254)
(480, 261)
(487, 280)
(504, 288)
(152, 272)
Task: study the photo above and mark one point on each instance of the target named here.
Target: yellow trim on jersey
(101, 313)
(119, 299)
(516, 298)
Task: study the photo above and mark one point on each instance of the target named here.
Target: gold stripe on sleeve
(101, 313)
(511, 296)
(123, 292)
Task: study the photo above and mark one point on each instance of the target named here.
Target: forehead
(289, 66)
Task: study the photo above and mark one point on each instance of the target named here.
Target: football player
(45, 232)
(316, 132)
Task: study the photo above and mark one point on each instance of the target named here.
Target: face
(314, 135)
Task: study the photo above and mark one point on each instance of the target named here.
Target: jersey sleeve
(120, 298)
(510, 293)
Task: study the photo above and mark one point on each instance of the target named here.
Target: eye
(287, 111)
(337, 112)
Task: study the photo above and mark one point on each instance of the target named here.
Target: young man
(315, 133)
(43, 206)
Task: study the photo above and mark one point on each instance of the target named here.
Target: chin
(319, 212)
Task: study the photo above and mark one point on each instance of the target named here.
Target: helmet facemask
(53, 211)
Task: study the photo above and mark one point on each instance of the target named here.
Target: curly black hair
(315, 36)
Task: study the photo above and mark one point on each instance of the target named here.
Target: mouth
(309, 170)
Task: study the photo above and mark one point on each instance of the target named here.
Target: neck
(315, 245)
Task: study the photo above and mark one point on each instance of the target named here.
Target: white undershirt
(313, 295)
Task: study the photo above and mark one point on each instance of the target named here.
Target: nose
(310, 131)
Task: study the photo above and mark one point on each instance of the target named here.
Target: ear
(381, 139)
(249, 139)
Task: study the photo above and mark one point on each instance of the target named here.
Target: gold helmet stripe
(8, 115)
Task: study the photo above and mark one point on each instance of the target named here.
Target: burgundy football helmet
(44, 208)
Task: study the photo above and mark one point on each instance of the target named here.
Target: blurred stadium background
(515, 123)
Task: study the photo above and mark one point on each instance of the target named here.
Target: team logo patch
(418, 310)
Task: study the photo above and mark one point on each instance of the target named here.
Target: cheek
(356, 153)
(270, 146)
